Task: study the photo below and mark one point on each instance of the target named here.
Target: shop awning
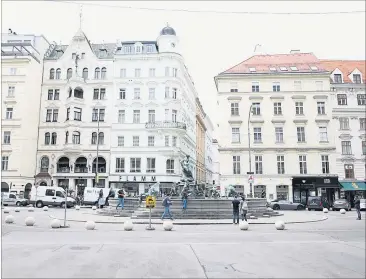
(353, 186)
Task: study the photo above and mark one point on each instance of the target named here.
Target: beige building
(200, 143)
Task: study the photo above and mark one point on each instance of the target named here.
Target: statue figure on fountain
(186, 170)
(214, 193)
(154, 189)
(230, 191)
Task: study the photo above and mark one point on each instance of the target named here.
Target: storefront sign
(139, 178)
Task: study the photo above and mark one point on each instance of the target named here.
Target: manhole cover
(80, 248)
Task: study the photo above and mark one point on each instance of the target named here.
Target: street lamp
(97, 165)
(250, 153)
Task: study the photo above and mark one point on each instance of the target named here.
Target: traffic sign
(150, 202)
(250, 178)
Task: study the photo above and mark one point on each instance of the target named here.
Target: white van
(91, 195)
(49, 195)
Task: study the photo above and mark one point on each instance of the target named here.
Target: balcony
(81, 170)
(165, 125)
(63, 170)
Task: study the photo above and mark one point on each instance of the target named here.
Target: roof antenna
(257, 45)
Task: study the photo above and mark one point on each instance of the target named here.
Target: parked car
(315, 203)
(363, 204)
(341, 204)
(12, 199)
(22, 202)
(285, 205)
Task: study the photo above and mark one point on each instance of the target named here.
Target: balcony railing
(63, 170)
(81, 170)
(165, 124)
(100, 170)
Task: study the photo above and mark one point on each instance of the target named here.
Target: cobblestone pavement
(333, 248)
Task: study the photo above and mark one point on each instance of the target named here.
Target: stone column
(89, 182)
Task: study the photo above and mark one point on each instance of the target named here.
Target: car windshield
(60, 194)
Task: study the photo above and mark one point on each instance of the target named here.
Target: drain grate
(79, 248)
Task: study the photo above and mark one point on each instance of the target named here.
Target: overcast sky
(211, 42)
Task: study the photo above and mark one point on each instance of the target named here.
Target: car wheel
(39, 204)
(333, 209)
(300, 207)
(62, 205)
(17, 204)
(276, 207)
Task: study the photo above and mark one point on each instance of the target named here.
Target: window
(120, 164)
(323, 134)
(276, 87)
(77, 114)
(342, 99)
(235, 135)
(9, 113)
(94, 138)
(255, 86)
(11, 90)
(135, 164)
(361, 99)
(47, 138)
(122, 73)
(363, 147)
(166, 140)
(150, 165)
(50, 192)
(54, 138)
(356, 78)
(321, 108)
(97, 73)
(135, 141)
(167, 71)
(52, 114)
(151, 93)
(53, 94)
(69, 73)
(279, 134)
(174, 93)
(99, 94)
(174, 115)
(66, 137)
(348, 171)
(293, 68)
(149, 48)
(314, 68)
(151, 141)
(60, 194)
(346, 147)
(277, 108)
(299, 107)
(52, 73)
(257, 132)
(101, 138)
(175, 72)
(73, 56)
(166, 115)
(166, 92)
(122, 93)
(252, 69)
(104, 73)
(4, 163)
(151, 116)
(235, 109)
(58, 73)
(85, 73)
(300, 134)
(343, 123)
(297, 86)
(127, 49)
(337, 78)
(121, 116)
(363, 124)
(83, 55)
(137, 72)
(136, 116)
(236, 164)
(281, 164)
(283, 68)
(136, 93)
(174, 141)
(121, 141)
(319, 85)
(302, 164)
(76, 137)
(48, 115)
(170, 166)
(98, 114)
(152, 72)
(13, 71)
(258, 164)
(256, 109)
(233, 89)
(325, 163)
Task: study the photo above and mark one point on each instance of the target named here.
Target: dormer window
(73, 56)
(314, 68)
(127, 49)
(69, 73)
(283, 68)
(273, 69)
(252, 70)
(83, 55)
(293, 68)
(337, 78)
(149, 48)
(138, 49)
(356, 78)
(103, 52)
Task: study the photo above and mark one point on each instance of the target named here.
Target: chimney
(293, 51)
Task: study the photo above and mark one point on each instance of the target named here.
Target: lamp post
(97, 165)
(250, 152)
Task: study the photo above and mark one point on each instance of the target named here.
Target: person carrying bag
(244, 208)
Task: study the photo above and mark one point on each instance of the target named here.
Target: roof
(262, 64)
(346, 67)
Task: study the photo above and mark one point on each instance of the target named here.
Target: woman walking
(243, 208)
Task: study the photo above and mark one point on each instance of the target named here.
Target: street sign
(250, 172)
(251, 178)
(150, 202)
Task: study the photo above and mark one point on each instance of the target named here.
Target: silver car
(285, 205)
(341, 204)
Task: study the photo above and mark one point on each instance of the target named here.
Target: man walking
(167, 203)
(236, 204)
(121, 199)
(358, 207)
(243, 208)
(184, 199)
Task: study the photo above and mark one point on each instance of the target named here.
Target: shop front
(351, 189)
(312, 186)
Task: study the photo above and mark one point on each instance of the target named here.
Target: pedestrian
(244, 208)
(101, 200)
(110, 195)
(236, 204)
(167, 203)
(358, 207)
(185, 199)
(121, 199)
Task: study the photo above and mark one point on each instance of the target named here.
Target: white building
(22, 63)
(348, 97)
(209, 151)
(291, 134)
(145, 101)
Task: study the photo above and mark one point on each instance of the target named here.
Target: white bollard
(269, 209)
(342, 211)
(94, 207)
(55, 224)
(128, 225)
(9, 219)
(6, 210)
(17, 209)
(325, 210)
(280, 225)
(30, 221)
(90, 225)
(45, 208)
(31, 209)
(168, 225)
(77, 207)
(244, 226)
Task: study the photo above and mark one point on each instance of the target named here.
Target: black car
(317, 203)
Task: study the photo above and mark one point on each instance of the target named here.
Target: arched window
(67, 137)
(101, 138)
(94, 138)
(170, 166)
(52, 73)
(58, 73)
(54, 138)
(76, 137)
(97, 73)
(104, 73)
(45, 163)
(69, 73)
(47, 138)
(85, 73)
